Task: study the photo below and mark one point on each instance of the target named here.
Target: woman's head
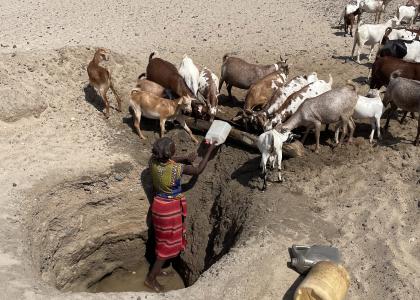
(163, 149)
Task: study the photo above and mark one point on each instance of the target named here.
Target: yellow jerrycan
(325, 281)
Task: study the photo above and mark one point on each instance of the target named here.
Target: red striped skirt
(167, 218)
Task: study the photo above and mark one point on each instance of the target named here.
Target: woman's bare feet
(154, 285)
(167, 272)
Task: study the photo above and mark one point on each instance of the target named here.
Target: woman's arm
(191, 170)
(189, 158)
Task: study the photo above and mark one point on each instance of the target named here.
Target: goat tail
(151, 55)
(330, 82)
(135, 91)
(225, 57)
(142, 75)
(352, 84)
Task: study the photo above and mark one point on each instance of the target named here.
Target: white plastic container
(218, 132)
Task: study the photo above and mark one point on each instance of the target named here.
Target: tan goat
(100, 78)
(154, 107)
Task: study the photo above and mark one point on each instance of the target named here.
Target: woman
(169, 207)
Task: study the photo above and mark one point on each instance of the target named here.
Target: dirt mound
(16, 104)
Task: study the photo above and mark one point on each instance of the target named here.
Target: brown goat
(100, 78)
(383, 67)
(152, 87)
(166, 74)
(261, 91)
(154, 107)
(238, 73)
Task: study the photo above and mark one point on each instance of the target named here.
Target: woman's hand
(211, 145)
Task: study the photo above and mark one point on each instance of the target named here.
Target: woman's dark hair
(163, 149)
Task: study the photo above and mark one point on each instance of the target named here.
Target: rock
(294, 149)
(14, 184)
(118, 177)
(418, 169)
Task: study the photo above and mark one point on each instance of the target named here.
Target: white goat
(413, 51)
(402, 34)
(407, 12)
(373, 6)
(189, 71)
(370, 35)
(369, 107)
(270, 144)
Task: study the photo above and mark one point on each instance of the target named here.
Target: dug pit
(92, 234)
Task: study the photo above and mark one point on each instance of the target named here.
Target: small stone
(118, 177)
(14, 46)
(418, 169)
(14, 184)
(72, 119)
(87, 188)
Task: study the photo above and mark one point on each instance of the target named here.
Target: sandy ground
(362, 199)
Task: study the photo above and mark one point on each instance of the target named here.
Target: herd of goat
(275, 105)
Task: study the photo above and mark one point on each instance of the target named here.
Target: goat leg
(337, 135)
(263, 165)
(378, 127)
(317, 135)
(162, 127)
(305, 135)
(279, 159)
(371, 52)
(403, 117)
(221, 83)
(392, 109)
(137, 118)
(344, 124)
(229, 90)
(184, 125)
(104, 97)
(352, 126)
(116, 96)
